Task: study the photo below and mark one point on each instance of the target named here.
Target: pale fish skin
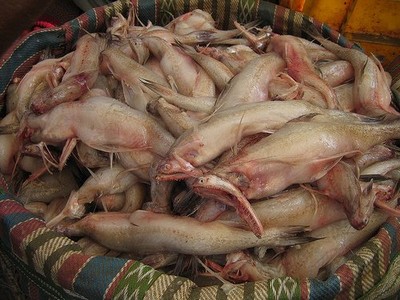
(179, 66)
(297, 206)
(105, 181)
(128, 71)
(79, 77)
(302, 261)
(337, 72)
(146, 232)
(10, 144)
(102, 123)
(226, 128)
(300, 67)
(371, 92)
(251, 84)
(337, 239)
(311, 150)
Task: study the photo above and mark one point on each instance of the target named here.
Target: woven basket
(44, 264)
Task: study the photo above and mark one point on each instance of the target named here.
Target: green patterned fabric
(48, 265)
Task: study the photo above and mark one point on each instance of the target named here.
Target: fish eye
(166, 167)
(201, 180)
(192, 154)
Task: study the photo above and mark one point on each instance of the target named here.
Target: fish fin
(217, 108)
(159, 88)
(146, 82)
(253, 24)
(393, 147)
(310, 29)
(386, 208)
(111, 155)
(378, 63)
(364, 65)
(172, 83)
(72, 209)
(268, 131)
(138, 167)
(357, 171)
(335, 158)
(239, 134)
(369, 119)
(374, 177)
(226, 285)
(113, 148)
(93, 174)
(66, 152)
(186, 203)
(304, 118)
(294, 235)
(134, 96)
(16, 163)
(141, 59)
(343, 154)
(235, 224)
(9, 128)
(368, 189)
(312, 190)
(186, 48)
(396, 190)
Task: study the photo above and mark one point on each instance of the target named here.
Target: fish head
(105, 61)
(181, 162)
(27, 129)
(175, 168)
(211, 186)
(359, 220)
(221, 189)
(371, 196)
(241, 267)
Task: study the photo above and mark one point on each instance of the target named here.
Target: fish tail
(9, 128)
(294, 235)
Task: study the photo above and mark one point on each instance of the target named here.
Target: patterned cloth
(51, 265)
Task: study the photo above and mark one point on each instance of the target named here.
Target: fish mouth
(224, 191)
(178, 175)
(212, 192)
(176, 168)
(358, 221)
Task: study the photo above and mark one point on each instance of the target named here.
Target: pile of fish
(246, 153)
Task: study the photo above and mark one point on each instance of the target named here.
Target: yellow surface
(374, 24)
(384, 52)
(375, 17)
(332, 12)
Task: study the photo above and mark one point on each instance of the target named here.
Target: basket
(44, 264)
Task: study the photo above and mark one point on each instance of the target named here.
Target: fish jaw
(218, 188)
(176, 168)
(180, 162)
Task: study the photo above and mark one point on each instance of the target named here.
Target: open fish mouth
(183, 174)
(222, 190)
(177, 176)
(176, 170)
